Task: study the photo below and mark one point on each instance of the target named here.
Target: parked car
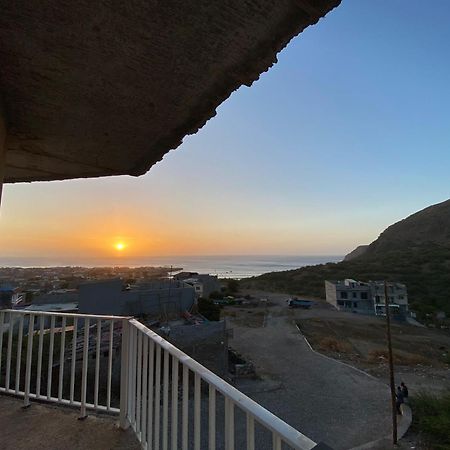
(298, 303)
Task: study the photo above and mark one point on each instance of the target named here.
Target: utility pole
(391, 365)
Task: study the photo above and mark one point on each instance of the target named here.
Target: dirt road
(324, 399)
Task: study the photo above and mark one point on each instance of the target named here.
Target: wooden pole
(391, 365)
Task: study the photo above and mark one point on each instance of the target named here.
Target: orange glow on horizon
(136, 233)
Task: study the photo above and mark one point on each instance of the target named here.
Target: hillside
(414, 251)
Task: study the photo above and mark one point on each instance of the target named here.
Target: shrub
(233, 286)
(216, 295)
(431, 418)
(208, 309)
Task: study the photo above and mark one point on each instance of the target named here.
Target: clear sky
(347, 134)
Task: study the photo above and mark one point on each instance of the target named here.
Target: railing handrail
(290, 435)
(64, 314)
(133, 351)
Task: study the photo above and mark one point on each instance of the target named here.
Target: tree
(216, 295)
(208, 309)
(233, 286)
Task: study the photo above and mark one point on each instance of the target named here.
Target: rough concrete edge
(335, 360)
(245, 73)
(402, 428)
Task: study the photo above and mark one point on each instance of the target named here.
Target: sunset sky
(347, 134)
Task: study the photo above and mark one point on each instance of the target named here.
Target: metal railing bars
(162, 429)
(168, 399)
(39, 352)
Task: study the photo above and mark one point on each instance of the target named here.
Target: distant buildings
(204, 284)
(367, 298)
(42, 280)
(9, 296)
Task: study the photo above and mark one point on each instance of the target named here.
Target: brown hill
(415, 251)
(429, 226)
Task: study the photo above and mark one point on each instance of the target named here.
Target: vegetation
(208, 309)
(216, 295)
(414, 251)
(431, 418)
(232, 286)
(425, 270)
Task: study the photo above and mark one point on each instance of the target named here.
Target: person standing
(404, 391)
(399, 400)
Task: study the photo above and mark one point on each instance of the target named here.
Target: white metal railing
(164, 415)
(51, 356)
(170, 400)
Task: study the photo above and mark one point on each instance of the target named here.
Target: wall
(330, 292)
(205, 342)
(160, 300)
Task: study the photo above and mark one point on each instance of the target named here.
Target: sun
(119, 246)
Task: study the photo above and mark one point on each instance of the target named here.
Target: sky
(345, 135)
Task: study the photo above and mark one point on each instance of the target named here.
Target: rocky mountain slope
(415, 251)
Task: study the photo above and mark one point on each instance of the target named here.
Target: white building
(367, 297)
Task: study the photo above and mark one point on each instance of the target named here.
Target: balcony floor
(55, 427)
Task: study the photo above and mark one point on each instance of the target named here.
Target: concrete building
(203, 283)
(366, 297)
(159, 299)
(9, 296)
(57, 297)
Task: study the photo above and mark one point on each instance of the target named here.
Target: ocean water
(229, 266)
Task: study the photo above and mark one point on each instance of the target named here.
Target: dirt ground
(306, 390)
(422, 356)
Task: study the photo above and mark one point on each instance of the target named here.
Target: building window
(400, 297)
(344, 294)
(364, 296)
(355, 304)
(340, 302)
(354, 295)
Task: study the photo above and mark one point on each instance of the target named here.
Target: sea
(226, 266)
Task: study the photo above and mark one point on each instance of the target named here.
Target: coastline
(224, 266)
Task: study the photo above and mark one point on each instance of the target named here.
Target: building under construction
(162, 299)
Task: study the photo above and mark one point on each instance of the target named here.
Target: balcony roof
(94, 89)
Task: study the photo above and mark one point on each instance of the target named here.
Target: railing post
(26, 401)
(84, 369)
(124, 374)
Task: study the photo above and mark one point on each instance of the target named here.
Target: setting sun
(119, 246)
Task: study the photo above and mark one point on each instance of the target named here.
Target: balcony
(47, 426)
(125, 373)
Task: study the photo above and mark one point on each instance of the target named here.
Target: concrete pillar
(2, 150)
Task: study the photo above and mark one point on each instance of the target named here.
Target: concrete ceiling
(95, 88)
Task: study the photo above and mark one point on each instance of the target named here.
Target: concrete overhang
(99, 88)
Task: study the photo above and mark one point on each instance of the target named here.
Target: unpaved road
(324, 399)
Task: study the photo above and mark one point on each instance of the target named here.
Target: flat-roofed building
(366, 297)
(157, 299)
